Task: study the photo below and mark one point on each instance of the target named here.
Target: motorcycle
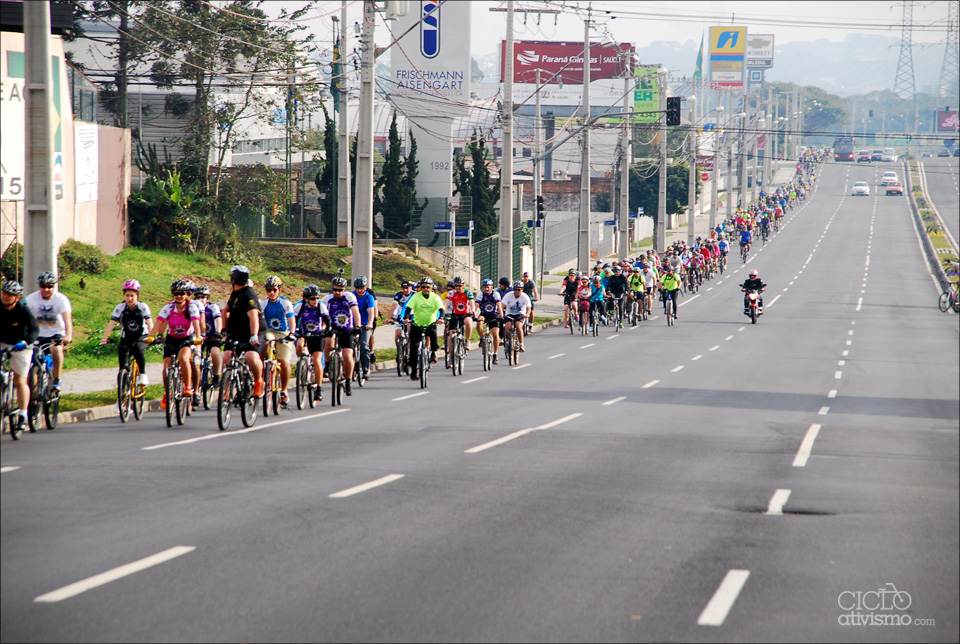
(753, 304)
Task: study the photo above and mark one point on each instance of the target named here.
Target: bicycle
(744, 252)
(236, 389)
(617, 313)
(129, 393)
(595, 321)
(271, 377)
(423, 357)
(635, 307)
(207, 387)
(455, 349)
(486, 349)
(42, 394)
(511, 348)
(403, 347)
(670, 311)
(949, 300)
(9, 414)
(305, 376)
(178, 405)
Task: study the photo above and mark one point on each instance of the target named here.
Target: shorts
(19, 360)
(345, 338)
(492, 320)
(314, 343)
(517, 317)
(172, 345)
(568, 299)
(283, 350)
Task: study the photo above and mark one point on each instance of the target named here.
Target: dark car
(943, 152)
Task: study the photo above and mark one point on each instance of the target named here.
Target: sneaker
(346, 388)
(318, 396)
(589, 329)
(163, 402)
(373, 356)
(196, 400)
(566, 325)
(258, 389)
(142, 380)
(603, 318)
(57, 385)
(414, 376)
(496, 359)
(187, 392)
(216, 381)
(433, 357)
(284, 398)
(521, 347)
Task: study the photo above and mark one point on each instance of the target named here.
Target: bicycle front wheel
(268, 370)
(336, 378)
(944, 302)
(206, 386)
(225, 397)
(424, 364)
(123, 394)
(300, 378)
(248, 405)
(35, 404)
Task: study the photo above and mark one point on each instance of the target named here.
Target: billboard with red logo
(562, 62)
(947, 120)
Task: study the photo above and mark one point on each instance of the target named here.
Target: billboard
(947, 120)
(759, 51)
(603, 93)
(727, 48)
(646, 94)
(562, 62)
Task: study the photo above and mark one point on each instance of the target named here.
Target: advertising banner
(705, 166)
(603, 93)
(947, 121)
(646, 95)
(562, 62)
(86, 156)
(12, 140)
(759, 51)
(727, 49)
(433, 60)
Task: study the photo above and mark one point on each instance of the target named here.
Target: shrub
(76, 256)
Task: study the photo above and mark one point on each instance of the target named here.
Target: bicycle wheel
(248, 402)
(300, 378)
(35, 404)
(225, 398)
(269, 368)
(944, 302)
(595, 323)
(484, 351)
(16, 427)
(206, 385)
(452, 353)
(423, 363)
(137, 398)
(336, 373)
(123, 394)
(180, 401)
(461, 356)
(168, 389)
(51, 405)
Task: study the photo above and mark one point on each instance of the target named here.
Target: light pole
(716, 171)
(742, 159)
(692, 174)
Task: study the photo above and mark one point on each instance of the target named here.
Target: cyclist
(213, 328)
(491, 313)
(345, 323)
(55, 317)
(311, 319)
(670, 283)
(753, 283)
(569, 292)
(244, 323)
(616, 287)
(460, 309)
(516, 307)
(425, 308)
(195, 348)
(279, 318)
(637, 289)
(503, 288)
(765, 224)
(367, 303)
(745, 238)
(134, 319)
(597, 297)
(19, 329)
(182, 320)
(530, 290)
(399, 310)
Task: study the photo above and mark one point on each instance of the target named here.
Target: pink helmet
(131, 285)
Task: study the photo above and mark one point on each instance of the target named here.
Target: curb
(109, 411)
(933, 261)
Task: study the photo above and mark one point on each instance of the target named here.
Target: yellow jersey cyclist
(670, 284)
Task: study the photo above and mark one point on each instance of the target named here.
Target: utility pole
(505, 250)
(343, 140)
(583, 242)
(692, 174)
(714, 187)
(363, 232)
(660, 240)
(729, 141)
(771, 133)
(624, 219)
(538, 185)
(40, 239)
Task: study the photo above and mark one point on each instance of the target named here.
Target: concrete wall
(114, 189)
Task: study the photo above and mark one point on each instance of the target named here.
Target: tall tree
(394, 195)
(473, 183)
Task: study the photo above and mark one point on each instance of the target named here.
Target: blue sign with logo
(633, 215)
(430, 29)
(640, 210)
(443, 225)
(530, 223)
(462, 232)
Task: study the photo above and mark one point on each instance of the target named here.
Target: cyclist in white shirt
(55, 317)
(516, 308)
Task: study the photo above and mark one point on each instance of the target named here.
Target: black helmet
(457, 280)
(13, 288)
(202, 291)
(273, 281)
(179, 285)
(450, 284)
(504, 281)
(311, 290)
(240, 274)
(47, 277)
(360, 282)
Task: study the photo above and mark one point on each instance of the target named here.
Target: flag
(698, 70)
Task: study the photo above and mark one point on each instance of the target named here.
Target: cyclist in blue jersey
(746, 236)
(279, 318)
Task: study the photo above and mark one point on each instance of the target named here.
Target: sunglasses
(272, 290)
(179, 293)
(338, 290)
(518, 289)
(46, 286)
(312, 299)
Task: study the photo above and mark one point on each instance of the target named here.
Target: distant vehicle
(889, 177)
(889, 154)
(861, 188)
(894, 188)
(943, 152)
(863, 156)
(843, 148)
(956, 152)
(927, 154)
(876, 155)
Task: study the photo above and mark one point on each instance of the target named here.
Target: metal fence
(486, 254)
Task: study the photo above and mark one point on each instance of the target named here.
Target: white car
(861, 188)
(889, 154)
(889, 177)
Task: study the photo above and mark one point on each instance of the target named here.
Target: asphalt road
(943, 186)
(630, 500)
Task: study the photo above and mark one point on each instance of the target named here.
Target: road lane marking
(832, 393)
(342, 494)
(613, 337)
(556, 356)
(850, 332)
(709, 289)
(237, 432)
(650, 384)
(786, 289)
(808, 259)
(467, 382)
(560, 421)
(859, 303)
(697, 357)
(676, 369)
(586, 346)
(691, 299)
(774, 300)
(729, 337)
(741, 328)
(521, 366)
(722, 601)
(838, 375)
(714, 348)
(845, 353)
(806, 446)
(824, 411)
(522, 432)
(841, 363)
(777, 501)
(419, 393)
(112, 575)
(9, 468)
(849, 342)
(615, 400)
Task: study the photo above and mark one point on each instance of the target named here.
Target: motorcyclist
(753, 283)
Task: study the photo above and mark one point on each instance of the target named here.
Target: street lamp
(692, 172)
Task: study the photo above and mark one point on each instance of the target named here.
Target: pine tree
(474, 184)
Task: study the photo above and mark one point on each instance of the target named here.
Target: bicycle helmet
(504, 281)
(339, 281)
(13, 288)
(457, 280)
(191, 287)
(427, 281)
(239, 274)
(202, 291)
(596, 278)
(179, 285)
(273, 281)
(46, 277)
(486, 282)
(360, 282)
(406, 284)
(450, 284)
(131, 285)
(311, 290)
(518, 285)
(616, 268)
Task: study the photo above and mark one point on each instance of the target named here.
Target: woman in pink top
(182, 318)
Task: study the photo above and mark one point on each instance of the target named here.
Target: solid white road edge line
(112, 575)
(722, 601)
(806, 446)
(777, 501)
(366, 486)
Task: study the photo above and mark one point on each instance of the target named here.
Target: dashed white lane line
(823, 411)
(722, 601)
(859, 303)
(697, 357)
(850, 332)
(709, 289)
(741, 328)
(521, 366)
(676, 369)
(806, 446)
(849, 342)
(238, 432)
(841, 363)
(112, 575)
(845, 353)
(808, 259)
(832, 393)
(690, 299)
(777, 501)
(838, 375)
(613, 337)
(419, 393)
(729, 337)
(522, 432)
(615, 400)
(714, 348)
(587, 346)
(9, 468)
(390, 478)
(556, 356)
(650, 384)
(467, 382)
(773, 301)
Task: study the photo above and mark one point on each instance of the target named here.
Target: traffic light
(540, 214)
(673, 110)
(871, 113)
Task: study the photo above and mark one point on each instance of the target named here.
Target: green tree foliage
(644, 190)
(168, 214)
(394, 195)
(473, 182)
